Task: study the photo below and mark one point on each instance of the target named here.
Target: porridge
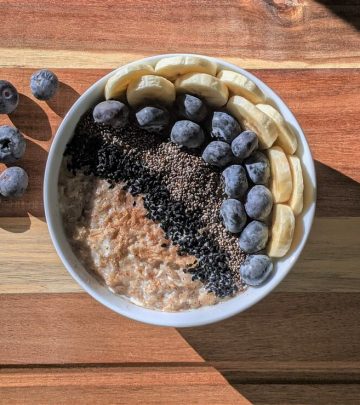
(174, 201)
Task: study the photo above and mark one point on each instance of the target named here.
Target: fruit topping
(256, 269)
(252, 118)
(179, 65)
(233, 215)
(259, 203)
(254, 237)
(282, 230)
(218, 153)
(244, 144)
(281, 182)
(187, 133)
(150, 89)
(191, 107)
(235, 181)
(240, 85)
(286, 138)
(153, 119)
(112, 113)
(224, 127)
(258, 168)
(208, 87)
(296, 201)
(117, 84)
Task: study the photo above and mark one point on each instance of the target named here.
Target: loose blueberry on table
(44, 84)
(13, 180)
(211, 167)
(9, 97)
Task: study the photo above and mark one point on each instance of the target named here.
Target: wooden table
(300, 345)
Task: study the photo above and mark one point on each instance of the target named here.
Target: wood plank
(334, 143)
(328, 120)
(256, 33)
(301, 394)
(74, 328)
(287, 337)
(128, 385)
(329, 263)
(330, 260)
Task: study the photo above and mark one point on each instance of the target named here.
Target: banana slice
(297, 197)
(280, 181)
(203, 85)
(254, 119)
(286, 139)
(282, 231)
(240, 85)
(150, 88)
(181, 65)
(115, 87)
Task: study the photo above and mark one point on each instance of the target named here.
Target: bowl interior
(196, 317)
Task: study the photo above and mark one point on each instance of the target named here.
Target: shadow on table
(271, 330)
(284, 338)
(337, 195)
(31, 119)
(64, 98)
(348, 11)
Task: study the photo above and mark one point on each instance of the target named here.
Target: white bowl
(121, 305)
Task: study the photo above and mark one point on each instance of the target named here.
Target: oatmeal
(110, 234)
(179, 195)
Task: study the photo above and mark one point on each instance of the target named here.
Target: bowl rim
(186, 318)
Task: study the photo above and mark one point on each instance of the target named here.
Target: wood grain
(128, 385)
(287, 337)
(334, 142)
(298, 346)
(74, 328)
(329, 263)
(301, 394)
(255, 33)
(284, 338)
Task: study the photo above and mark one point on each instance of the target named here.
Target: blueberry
(112, 113)
(191, 107)
(258, 168)
(44, 84)
(244, 144)
(233, 215)
(259, 202)
(12, 144)
(218, 153)
(187, 133)
(9, 97)
(256, 269)
(13, 182)
(254, 237)
(224, 127)
(153, 119)
(235, 181)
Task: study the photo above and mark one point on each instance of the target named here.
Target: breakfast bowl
(297, 211)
